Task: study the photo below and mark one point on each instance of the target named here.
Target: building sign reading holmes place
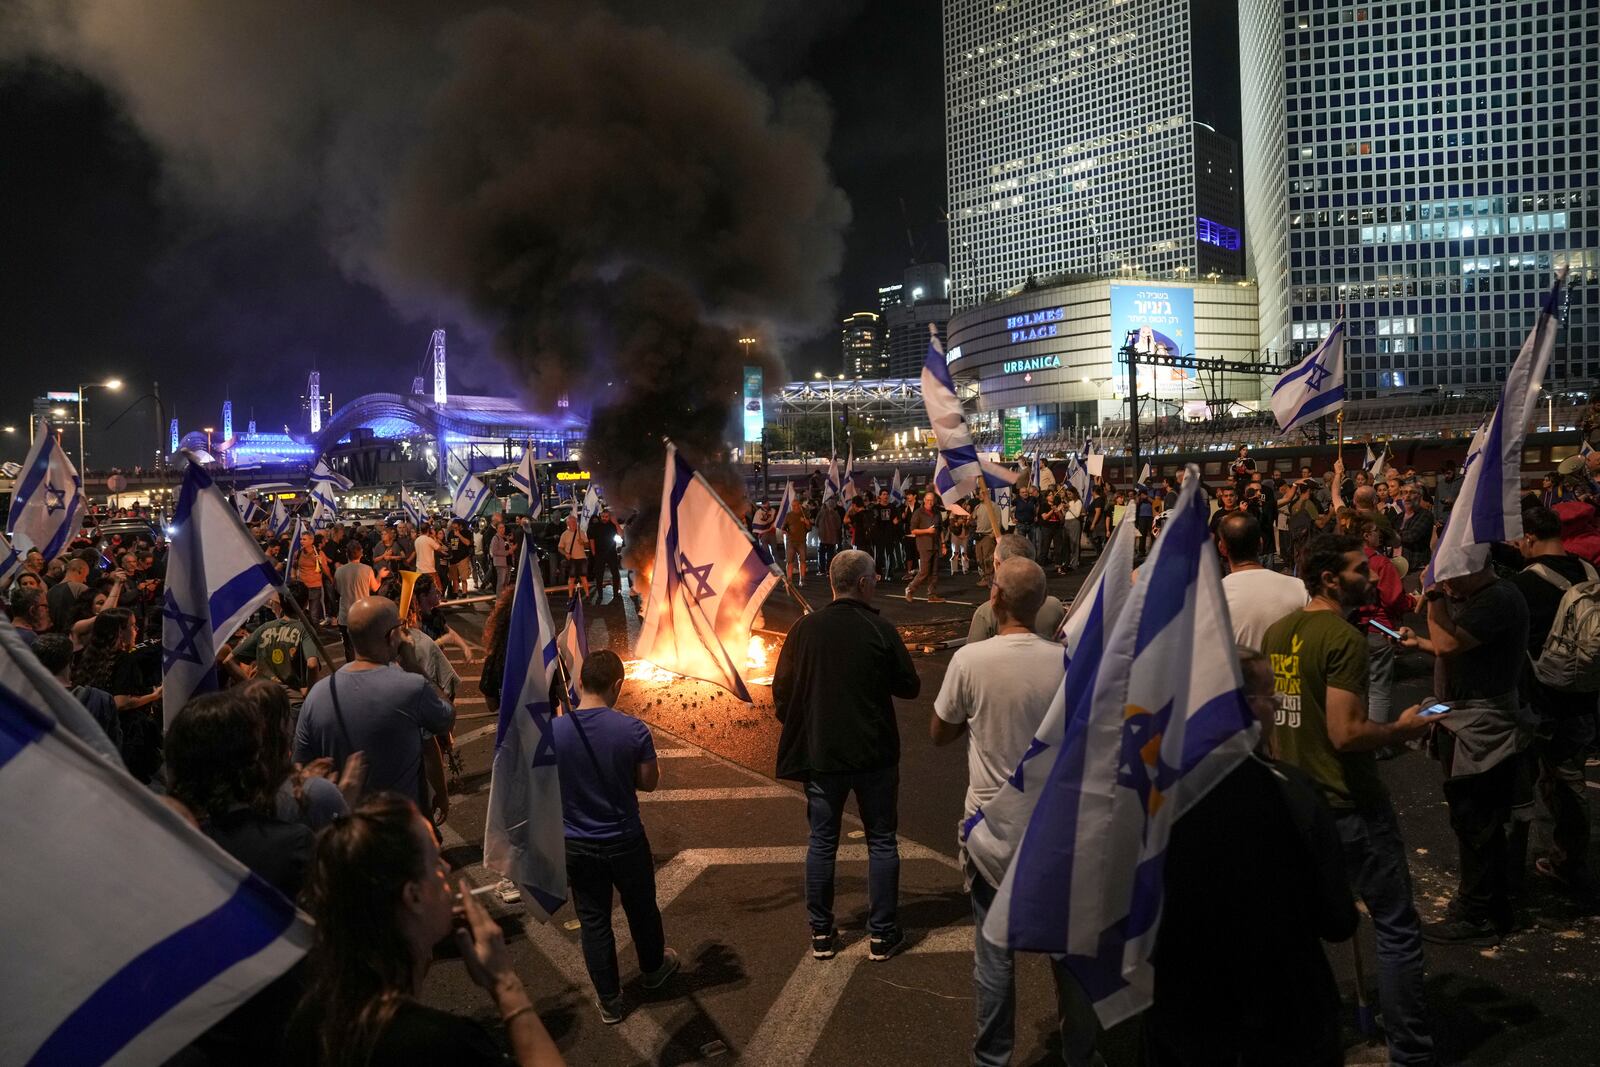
(1015, 366)
(1035, 325)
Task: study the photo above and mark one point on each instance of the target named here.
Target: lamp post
(111, 383)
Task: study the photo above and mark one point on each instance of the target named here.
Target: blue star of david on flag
(1316, 374)
(54, 499)
(544, 750)
(1314, 387)
(190, 631)
(701, 576)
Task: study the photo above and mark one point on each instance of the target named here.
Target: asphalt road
(729, 845)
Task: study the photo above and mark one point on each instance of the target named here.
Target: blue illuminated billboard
(754, 416)
(1161, 318)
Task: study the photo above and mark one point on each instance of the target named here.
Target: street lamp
(110, 383)
(209, 430)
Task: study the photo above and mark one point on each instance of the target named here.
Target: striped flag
(897, 488)
(708, 582)
(573, 644)
(1314, 387)
(1488, 508)
(526, 479)
(324, 505)
(1166, 720)
(280, 520)
(524, 839)
(591, 507)
(322, 472)
(847, 483)
(10, 562)
(991, 833)
(130, 957)
(471, 498)
(250, 509)
(48, 498)
(216, 577)
(1375, 463)
(1079, 478)
(830, 481)
(949, 423)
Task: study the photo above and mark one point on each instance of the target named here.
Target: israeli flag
(591, 507)
(47, 500)
(847, 484)
(707, 584)
(785, 503)
(280, 520)
(526, 479)
(991, 833)
(830, 481)
(524, 838)
(10, 562)
(322, 472)
(132, 956)
(216, 576)
(324, 505)
(1314, 387)
(294, 548)
(897, 488)
(945, 416)
(250, 509)
(412, 507)
(1079, 478)
(953, 489)
(471, 498)
(1144, 479)
(1165, 721)
(1488, 508)
(573, 645)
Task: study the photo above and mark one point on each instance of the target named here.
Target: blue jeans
(994, 984)
(1375, 860)
(877, 795)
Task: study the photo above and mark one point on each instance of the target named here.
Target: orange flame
(759, 655)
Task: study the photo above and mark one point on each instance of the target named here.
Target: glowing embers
(760, 656)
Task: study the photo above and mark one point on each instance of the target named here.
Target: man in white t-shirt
(996, 692)
(1257, 597)
(428, 549)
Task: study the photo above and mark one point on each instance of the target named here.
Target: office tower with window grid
(1072, 146)
(1426, 166)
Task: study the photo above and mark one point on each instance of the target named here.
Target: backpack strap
(1552, 577)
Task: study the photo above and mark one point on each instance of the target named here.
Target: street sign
(1012, 434)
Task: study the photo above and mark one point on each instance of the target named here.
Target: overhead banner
(1161, 319)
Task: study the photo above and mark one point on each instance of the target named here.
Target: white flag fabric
(471, 498)
(281, 521)
(991, 833)
(1314, 387)
(1375, 463)
(707, 584)
(591, 507)
(413, 507)
(952, 489)
(48, 499)
(324, 505)
(22, 674)
(897, 488)
(1166, 721)
(785, 504)
(526, 479)
(847, 482)
(1079, 478)
(573, 644)
(1488, 508)
(949, 423)
(250, 509)
(130, 933)
(830, 480)
(10, 562)
(1144, 478)
(216, 577)
(523, 838)
(322, 472)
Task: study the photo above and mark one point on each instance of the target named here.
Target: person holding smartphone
(1319, 664)
(1388, 604)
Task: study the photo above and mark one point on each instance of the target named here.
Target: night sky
(115, 269)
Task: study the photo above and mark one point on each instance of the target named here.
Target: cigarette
(481, 890)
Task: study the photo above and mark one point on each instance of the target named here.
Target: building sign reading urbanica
(1035, 325)
(1017, 366)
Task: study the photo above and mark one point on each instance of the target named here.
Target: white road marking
(741, 792)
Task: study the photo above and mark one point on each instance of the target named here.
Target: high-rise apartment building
(860, 346)
(1073, 148)
(922, 298)
(1425, 167)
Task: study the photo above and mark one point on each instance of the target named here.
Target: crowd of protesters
(328, 784)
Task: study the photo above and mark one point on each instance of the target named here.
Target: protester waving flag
(526, 479)
(949, 423)
(1314, 387)
(785, 503)
(523, 838)
(47, 500)
(991, 833)
(573, 644)
(707, 584)
(322, 472)
(1165, 722)
(1488, 508)
(471, 498)
(132, 956)
(216, 577)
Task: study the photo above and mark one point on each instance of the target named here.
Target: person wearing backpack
(1562, 683)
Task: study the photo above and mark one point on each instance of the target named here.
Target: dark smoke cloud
(606, 189)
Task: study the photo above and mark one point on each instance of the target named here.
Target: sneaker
(1460, 932)
(612, 1011)
(881, 948)
(824, 946)
(669, 966)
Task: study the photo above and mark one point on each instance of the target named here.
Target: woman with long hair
(378, 892)
(309, 795)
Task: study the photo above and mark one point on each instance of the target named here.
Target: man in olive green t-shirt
(1319, 663)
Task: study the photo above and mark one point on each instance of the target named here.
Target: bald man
(374, 706)
(1046, 621)
(996, 692)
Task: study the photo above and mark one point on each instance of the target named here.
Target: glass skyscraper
(1072, 146)
(1425, 166)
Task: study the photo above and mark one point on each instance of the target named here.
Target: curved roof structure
(395, 415)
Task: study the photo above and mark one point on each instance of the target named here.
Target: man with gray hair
(997, 692)
(833, 691)
(1048, 620)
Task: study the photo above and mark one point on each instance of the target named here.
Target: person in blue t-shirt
(605, 757)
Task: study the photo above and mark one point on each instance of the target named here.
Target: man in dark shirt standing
(924, 526)
(606, 535)
(832, 690)
(1566, 728)
(885, 532)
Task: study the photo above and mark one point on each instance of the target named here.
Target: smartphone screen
(1433, 709)
(1376, 625)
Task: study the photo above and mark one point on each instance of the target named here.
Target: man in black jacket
(832, 690)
